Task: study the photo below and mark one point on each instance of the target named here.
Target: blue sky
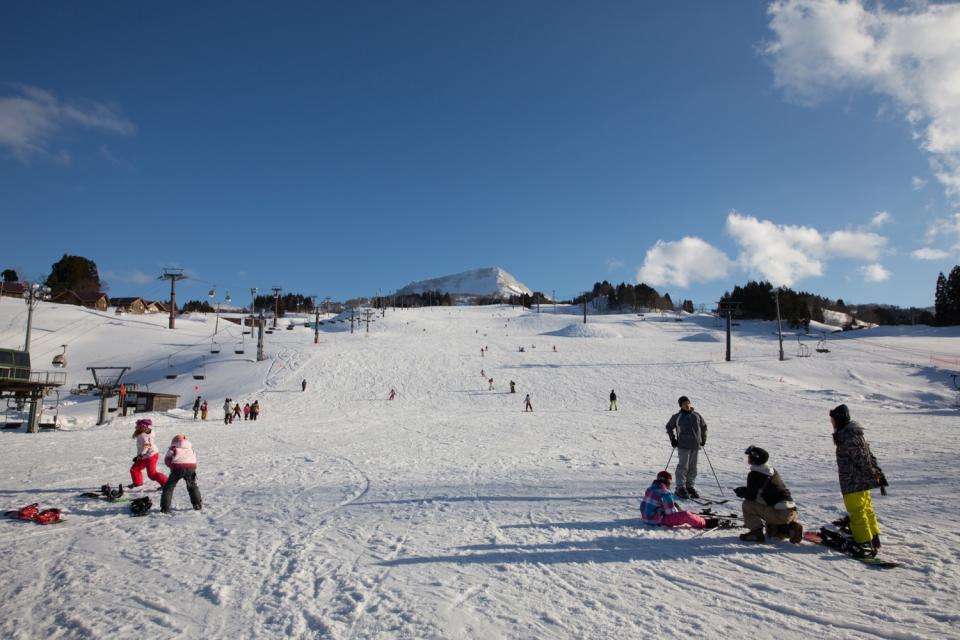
(341, 148)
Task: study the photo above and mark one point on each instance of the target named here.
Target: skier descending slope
(859, 473)
(688, 432)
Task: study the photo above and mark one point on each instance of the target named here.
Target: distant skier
(196, 407)
(483, 374)
(659, 507)
(554, 348)
(303, 385)
(513, 387)
(481, 352)
(688, 432)
(237, 412)
(393, 394)
(182, 461)
(859, 473)
(613, 401)
(227, 411)
(527, 405)
(766, 500)
(255, 410)
(246, 411)
(147, 455)
(204, 410)
(490, 384)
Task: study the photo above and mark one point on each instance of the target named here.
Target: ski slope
(450, 513)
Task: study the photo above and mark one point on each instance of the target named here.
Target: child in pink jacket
(147, 455)
(182, 461)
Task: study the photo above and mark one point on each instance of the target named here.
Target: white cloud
(135, 277)
(882, 218)
(31, 118)
(615, 264)
(874, 273)
(926, 253)
(918, 183)
(683, 262)
(784, 254)
(911, 55)
(947, 229)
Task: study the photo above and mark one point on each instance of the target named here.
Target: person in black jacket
(766, 500)
(613, 400)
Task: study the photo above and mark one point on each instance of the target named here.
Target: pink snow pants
(150, 464)
(681, 518)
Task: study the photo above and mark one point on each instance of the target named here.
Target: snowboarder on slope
(859, 473)
(527, 406)
(393, 394)
(513, 387)
(613, 401)
(688, 432)
(147, 455)
(659, 507)
(196, 407)
(303, 385)
(766, 500)
(182, 461)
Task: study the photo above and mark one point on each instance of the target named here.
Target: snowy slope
(449, 513)
(489, 282)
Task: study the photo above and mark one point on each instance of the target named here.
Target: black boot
(795, 531)
(682, 493)
(753, 536)
(711, 523)
(692, 492)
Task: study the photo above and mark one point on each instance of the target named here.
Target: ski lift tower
(172, 275)
(728, 309)
(106, 380)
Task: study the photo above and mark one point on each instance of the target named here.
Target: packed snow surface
(491, 282)
(450, 513)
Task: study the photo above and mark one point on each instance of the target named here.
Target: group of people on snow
(180, 459)
(768, 507)
(231, 411)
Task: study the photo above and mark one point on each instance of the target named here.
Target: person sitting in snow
(147, 455)
(659, 507)
(182, 461)
(766, 500)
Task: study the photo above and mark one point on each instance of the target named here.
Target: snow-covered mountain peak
(487, 281)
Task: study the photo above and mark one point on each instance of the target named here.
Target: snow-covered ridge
(487, 281)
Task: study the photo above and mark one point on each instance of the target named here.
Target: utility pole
(584, 307)
(776, 297)
(276, 304)
(173, 275)
(367, 313)
(253, 308)
(554, 301)
(35, 293)
(351, 319)
(261, 320)
(316, 321)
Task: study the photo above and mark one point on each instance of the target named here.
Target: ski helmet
(664, 477)
(757, 455)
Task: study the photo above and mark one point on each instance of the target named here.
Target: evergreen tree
(953, 296)
(10, 275)
(75, 273)
(941, 307)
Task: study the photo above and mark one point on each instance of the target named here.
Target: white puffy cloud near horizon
(910, 55)
(683, 262)
(874, 273)
(781, 254)
(31, 119)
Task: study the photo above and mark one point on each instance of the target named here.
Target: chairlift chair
(822, 345)
(203, 372)
(214, 346)
(60, 360)
(803, 351)
(170, 376)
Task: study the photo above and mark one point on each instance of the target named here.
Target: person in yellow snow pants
(863, 521)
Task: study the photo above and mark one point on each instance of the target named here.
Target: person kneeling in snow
(147, 455)
(183, 465)
(660, 507)
(766, 500)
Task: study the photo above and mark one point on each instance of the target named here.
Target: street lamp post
(776, 298)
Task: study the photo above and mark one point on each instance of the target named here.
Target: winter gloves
(673, 441)
(741, 492)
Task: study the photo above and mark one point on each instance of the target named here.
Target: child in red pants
(658, 507)
(147, 455)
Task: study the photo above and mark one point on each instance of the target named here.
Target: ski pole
(712, 469)
(669, 459)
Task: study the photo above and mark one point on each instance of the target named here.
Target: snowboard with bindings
(844, 544)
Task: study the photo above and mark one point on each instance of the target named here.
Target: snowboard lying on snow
(845, 545)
